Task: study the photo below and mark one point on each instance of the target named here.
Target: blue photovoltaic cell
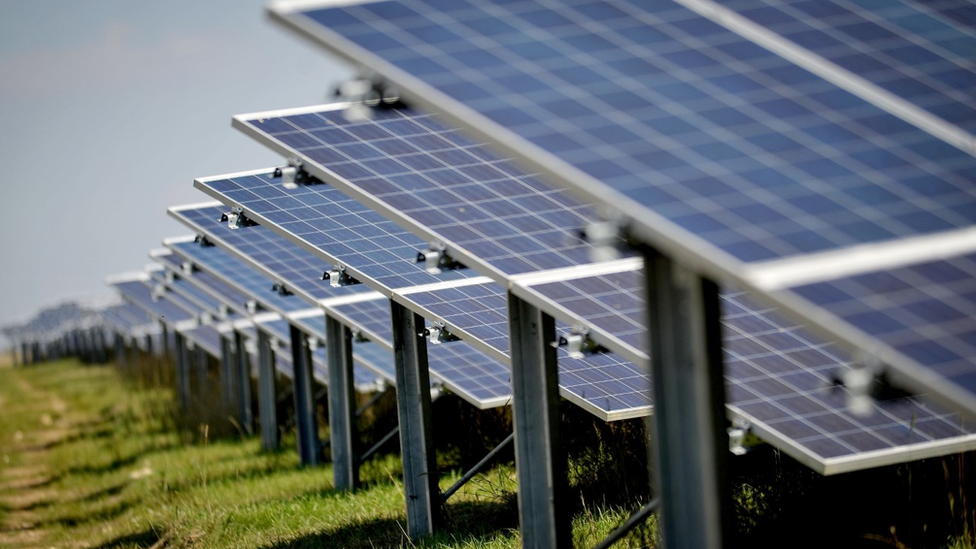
(778, 374)
(448, 186)
(234, 271)
(207, 338)
(207, 282)
(286, 262)
(189, 292)
(372, 317)
(377, 357)
(478, 310)
(688, 120)
(334, 227)
(474, 375)
(604, 384)
(126, 317)
(923, 52)
(168, 309)
(926, 311)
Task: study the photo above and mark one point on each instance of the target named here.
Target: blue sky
(109, 109)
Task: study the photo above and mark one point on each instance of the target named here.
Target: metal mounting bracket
(436, 259)
(578, 343)
(293, 174)
(158, 291)
(236, 218)
(339, 277)
(606, 240)
(741, 439)
(438, 333)
(281, 289)
(365, 93)
(187, 268)
(203, 241)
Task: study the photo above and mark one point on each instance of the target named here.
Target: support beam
(413, 411)
(689, 405)
(342, 405)
(182, 372)
(229, 383)
(267, 393)
(478, 466)
(539, 460)
(243, 372)
(306, 422)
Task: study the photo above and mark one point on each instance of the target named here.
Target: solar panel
(190, 293)
(206, 338)
(415, 170)
(924, 311)
(127, 319)
(207, 282)
(921, 53)
(715, 150)
(779, 376)
(168, 309)
(277, 258)
(236, 273)
(318, 218)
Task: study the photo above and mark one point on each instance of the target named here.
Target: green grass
(88, 461)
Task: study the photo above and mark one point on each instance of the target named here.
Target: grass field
(90, 460)
(88, 463)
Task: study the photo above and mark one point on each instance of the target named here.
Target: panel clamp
(292, 174)
(158, 291)
(187, 268)
(741, 439)
(606, 240)
(365, 93)
(438, 333)
(359, 337)
(281, 289)
(578, 343)
(436, 259)
(202, 239)
(236, 218)
(339, 277)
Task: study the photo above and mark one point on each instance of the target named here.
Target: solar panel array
(759, 142)
(724, 143)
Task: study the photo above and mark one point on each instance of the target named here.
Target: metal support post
(119, 351)
(228, 378)
(306, 422)
(182, 372)
(267, 393)
(689, 404)
(539, 460)
(342, 405)
(243, 372)
(166, 349)
(413, 410)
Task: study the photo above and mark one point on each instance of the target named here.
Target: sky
(108, 110)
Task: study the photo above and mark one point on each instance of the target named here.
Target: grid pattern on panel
(233, 270)
(470, 372)
(921, 52)
(313, 325)
(190, 293)
(378, 357)
(604, 381)
(723, 138)
(207, 338)
(779, 374)
(612, 303)
(372, 317)
(479, 310)
(927, 311)
(297, 268)
(335, 227)
(457, 189)
(167, 308)
(784, 378)
(227, 294)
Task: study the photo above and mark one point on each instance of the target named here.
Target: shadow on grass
(147, 538)
(468, 523)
